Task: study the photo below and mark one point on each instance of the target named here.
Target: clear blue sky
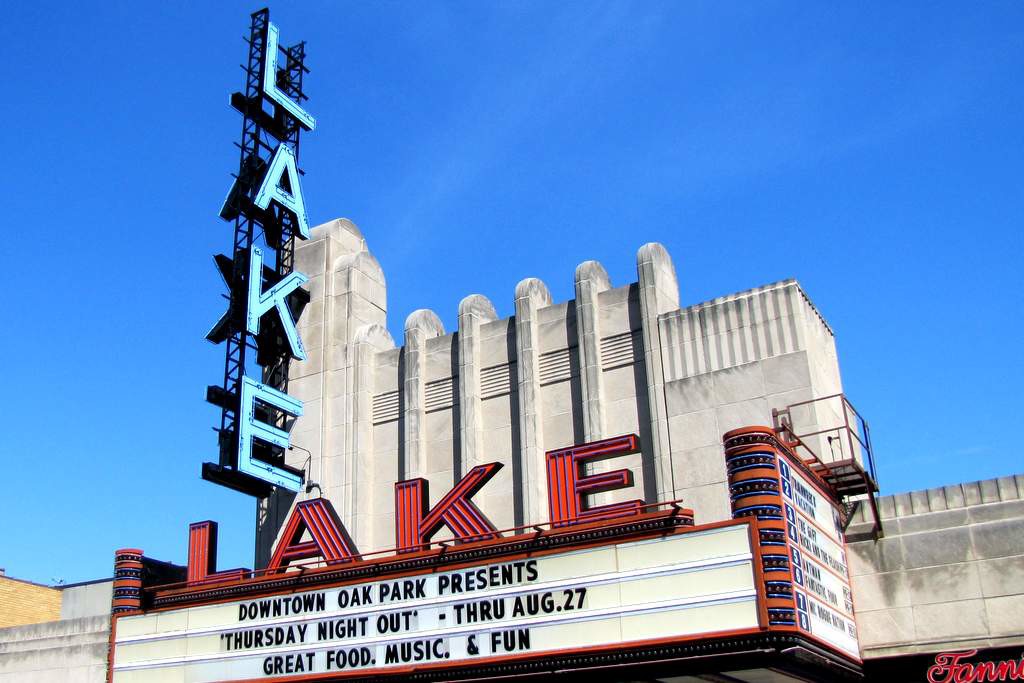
(873, 151)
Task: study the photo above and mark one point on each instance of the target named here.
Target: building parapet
(942, 498)
(946, 576)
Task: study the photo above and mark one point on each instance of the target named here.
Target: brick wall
(22, 602)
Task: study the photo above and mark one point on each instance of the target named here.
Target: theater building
(684, 569)
(676, 590)
(618, 486)
(590, 485)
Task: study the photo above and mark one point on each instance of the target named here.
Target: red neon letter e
(567, 486)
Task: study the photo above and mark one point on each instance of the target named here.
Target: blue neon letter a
(272, 191)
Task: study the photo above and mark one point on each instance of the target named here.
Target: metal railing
(849, 441)
(847, 463)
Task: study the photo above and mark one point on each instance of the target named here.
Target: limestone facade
(616, 359)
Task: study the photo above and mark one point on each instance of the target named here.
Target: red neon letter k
(415, 525)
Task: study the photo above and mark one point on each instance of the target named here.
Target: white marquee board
(671, 587)
(820, 573)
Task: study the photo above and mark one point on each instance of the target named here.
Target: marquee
(674, 586)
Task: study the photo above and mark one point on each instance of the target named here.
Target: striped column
(127, 581)
(752, 465)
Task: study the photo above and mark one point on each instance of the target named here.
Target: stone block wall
(88, 599)
(948, 573)
(728, 363)
(56, 651)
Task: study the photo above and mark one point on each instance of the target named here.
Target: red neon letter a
(415, 526)
(329, 538)
(202, 555)
(566, 486)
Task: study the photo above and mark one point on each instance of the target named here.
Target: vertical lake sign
(265, 295)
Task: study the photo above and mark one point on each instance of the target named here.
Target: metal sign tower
(266, 207)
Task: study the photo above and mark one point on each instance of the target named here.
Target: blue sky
(873, 151)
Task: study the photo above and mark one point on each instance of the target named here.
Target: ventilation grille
(556, 366)
(617, 351)
(439, 394)
(496, 380)
(741, 328)
(385, 407)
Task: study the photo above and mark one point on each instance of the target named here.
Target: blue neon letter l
(270, 89)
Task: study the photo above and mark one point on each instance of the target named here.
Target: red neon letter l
(202, 555)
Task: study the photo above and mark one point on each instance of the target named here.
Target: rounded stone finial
(375, 335)
(655, 269)
(656, 253)
(534, 289)
(364, 262)
(478, 306)
(425, 321)
(341, 229)
(595, 273)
